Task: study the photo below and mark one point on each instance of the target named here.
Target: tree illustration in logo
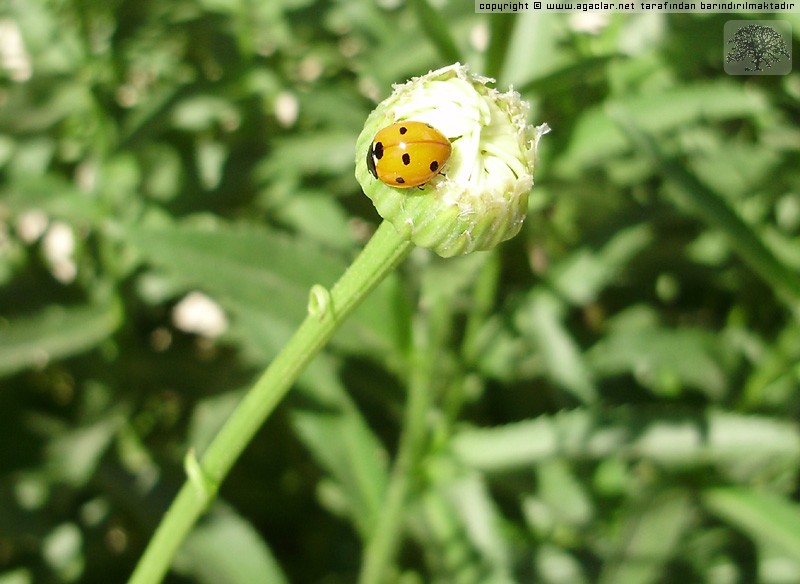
(760, 44)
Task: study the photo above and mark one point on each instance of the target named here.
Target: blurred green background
(614, 397)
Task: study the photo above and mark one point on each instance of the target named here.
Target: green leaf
(557, 565)
(562, 491)
(773, 379)
(322, 153)
(582, 275)
(690, 193)
(73, 455)
(534, 48)
(501, 28)
(21, 576)
(463, 532)
(664, 360)
(54, 195)
(437, 28)
(340, 440)
(264, 277)
(210, 159)
(316, 216)
(54, 333)
(226, 549)
(735, 170)
(568, 75)
(253, 267)
(203, 112)
(597, 136)
(540, 320)
(737, 445)
(651, 532)
(62, 551)
(762, 515)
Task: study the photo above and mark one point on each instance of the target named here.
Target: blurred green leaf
(73, 455)
(699, 199)
(263, 276)
(436, 27)
(211, 158)
(651, 535)
(735, 170)
(739, 445)
(226, 549)
(501, 28)
(541, 321)
(339, 438)
(762, 515)
(563, 493)
(775, 376)
(664, 360)
(597, 136)
(447, 279)
(555, 565)
(54, 333)
(54, 196)
(343, 444)
(20, 576)
(247, 268)
(329, 152)
(568, 75)
(202, 112)
(318, 217)
(582, 275)
(463, 531)
(163, 173)
(533, 48)
(62, 551)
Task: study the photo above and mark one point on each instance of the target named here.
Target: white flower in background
(310, 68)
(287, 108)
(58, 246)
(479, 36)
(199, 314)
(589, 22)
(13, 56)
(481, 196)
(31, 225)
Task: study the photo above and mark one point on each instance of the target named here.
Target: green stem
(382, 254)
(386, 534)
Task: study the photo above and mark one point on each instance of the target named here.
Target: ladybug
(407, 154)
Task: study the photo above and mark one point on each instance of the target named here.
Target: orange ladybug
(407, 154)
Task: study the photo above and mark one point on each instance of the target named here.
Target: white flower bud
(480, 197)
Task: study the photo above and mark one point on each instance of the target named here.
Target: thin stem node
(205, 487)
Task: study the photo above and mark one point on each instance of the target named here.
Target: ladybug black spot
(403, 130)
(434, 166)
(406, 159)
(400, 180)
(371, 164)
(377, 150)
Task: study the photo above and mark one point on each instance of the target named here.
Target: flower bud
(480, 197)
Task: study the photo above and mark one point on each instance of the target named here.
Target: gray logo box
(757, 47)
